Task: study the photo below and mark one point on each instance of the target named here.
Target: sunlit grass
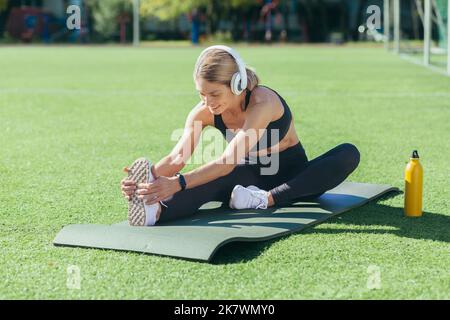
(72, 117)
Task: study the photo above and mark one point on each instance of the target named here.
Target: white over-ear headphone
(239, 80)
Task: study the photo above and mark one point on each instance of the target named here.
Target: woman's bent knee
(350, 156)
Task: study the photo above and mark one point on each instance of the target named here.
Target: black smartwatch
(181, 180)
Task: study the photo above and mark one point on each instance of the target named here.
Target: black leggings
(297, 179)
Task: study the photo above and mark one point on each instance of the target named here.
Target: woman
(247, 113)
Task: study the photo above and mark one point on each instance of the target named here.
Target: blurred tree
(105, 14)
(170, 9)
(3, 5)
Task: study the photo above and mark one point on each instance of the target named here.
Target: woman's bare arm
(258, 119)
(167, 167)
(180, 154)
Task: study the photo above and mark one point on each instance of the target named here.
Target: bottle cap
(415, 155)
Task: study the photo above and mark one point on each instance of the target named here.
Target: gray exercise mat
(201, 235)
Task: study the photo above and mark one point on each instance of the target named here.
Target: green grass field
(72, 117)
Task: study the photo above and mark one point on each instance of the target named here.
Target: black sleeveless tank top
(282, 124)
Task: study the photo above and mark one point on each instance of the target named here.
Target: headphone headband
(239, 80)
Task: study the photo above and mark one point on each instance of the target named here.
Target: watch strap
(181, 180)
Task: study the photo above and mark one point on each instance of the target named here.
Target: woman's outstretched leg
(187, 202)
(320, 175)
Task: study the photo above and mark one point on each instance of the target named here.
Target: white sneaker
(139, 213)
(251, 197)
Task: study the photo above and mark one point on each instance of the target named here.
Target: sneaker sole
(138, 172)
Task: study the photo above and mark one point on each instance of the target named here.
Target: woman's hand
(158, 190)
(127, 186)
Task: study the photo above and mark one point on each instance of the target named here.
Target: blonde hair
(219, 66)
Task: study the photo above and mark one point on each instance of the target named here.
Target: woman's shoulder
(264, 96)
(261, 94)
(203, 114)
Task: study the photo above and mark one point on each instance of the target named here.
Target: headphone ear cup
(235, 84)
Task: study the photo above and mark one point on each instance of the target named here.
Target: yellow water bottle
(413, 186)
